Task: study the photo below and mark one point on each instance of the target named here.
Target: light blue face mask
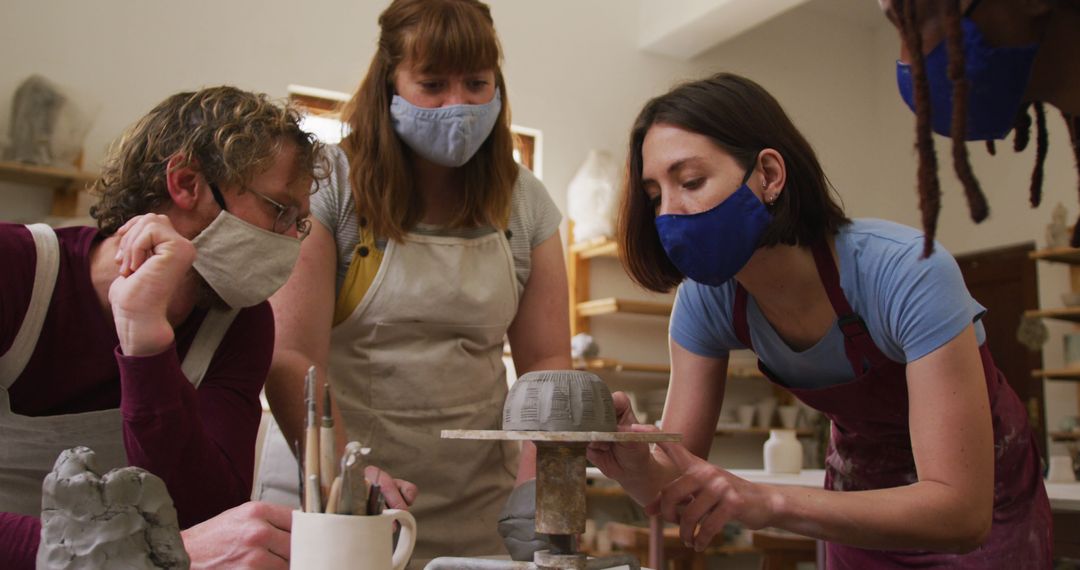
(449, 135)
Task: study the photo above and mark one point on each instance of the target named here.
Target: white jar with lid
(783, 452)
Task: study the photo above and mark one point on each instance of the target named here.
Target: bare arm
(695, 395)
(540, 333)
(303, 314)
(949, 508)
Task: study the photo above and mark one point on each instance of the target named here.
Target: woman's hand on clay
(631, 464)
(398, 493)
(705, 497)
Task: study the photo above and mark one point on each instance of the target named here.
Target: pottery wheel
(562, 436)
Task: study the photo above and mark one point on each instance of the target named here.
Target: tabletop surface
(1063, 496)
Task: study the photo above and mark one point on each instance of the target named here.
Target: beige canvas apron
(29, 445)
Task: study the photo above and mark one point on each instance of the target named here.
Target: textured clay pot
(559, 400)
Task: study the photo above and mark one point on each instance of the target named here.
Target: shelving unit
(1071, 257)
(65, 184)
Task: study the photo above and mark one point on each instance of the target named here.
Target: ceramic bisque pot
(783, 452)
(559, 400)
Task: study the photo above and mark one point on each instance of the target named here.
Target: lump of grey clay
(559, 400)
(124, 519)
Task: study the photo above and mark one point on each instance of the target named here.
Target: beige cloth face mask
(243, 263)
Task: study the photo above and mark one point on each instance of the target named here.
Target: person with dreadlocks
(975, 70)
(931, 461)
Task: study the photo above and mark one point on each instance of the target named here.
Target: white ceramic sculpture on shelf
(783, 452)
(1057, 231)
(766, 407)
(124, 519)
(789, 416)
(592, 198)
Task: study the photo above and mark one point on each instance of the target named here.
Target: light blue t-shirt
(911, 307)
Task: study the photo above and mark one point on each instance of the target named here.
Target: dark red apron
(870, 447)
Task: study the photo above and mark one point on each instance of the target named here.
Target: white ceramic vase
(783, 452)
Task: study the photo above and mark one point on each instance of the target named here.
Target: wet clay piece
(559, 400)
(124, 519)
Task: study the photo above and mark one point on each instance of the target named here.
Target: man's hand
(153, 261)
(398, 493)
(250, 536)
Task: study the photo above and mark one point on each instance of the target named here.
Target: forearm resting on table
(925, 515)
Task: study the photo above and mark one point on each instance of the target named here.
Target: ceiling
(683, 29)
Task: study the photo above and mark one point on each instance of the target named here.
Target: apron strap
(206, 341)
(738, 317)
(859, 346)
(46, 270)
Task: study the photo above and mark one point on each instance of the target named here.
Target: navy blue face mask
(710, 247)
(997, 78)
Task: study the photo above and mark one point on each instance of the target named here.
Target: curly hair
(227, 134)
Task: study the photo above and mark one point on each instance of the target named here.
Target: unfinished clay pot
(559, 400)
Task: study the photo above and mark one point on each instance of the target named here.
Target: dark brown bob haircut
(433, 36)
(228, 134)
(743, 119)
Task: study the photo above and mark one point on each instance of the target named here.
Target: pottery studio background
(577, 72)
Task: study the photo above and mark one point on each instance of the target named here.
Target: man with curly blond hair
(148, 339)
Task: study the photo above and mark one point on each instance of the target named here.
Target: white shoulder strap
(205, 343)
(14, 360)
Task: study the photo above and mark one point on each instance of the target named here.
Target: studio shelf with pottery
(1068, 312)
(64, 183)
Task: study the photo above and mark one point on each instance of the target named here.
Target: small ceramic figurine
(1057, 231)
(1032, 333)
(124, 519)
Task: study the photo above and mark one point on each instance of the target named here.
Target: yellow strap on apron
(366, 259)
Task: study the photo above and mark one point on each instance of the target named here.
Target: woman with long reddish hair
(429, 247)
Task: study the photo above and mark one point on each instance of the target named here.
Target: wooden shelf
(597, 247)
(1070, 255)
(1065, 436)
(618, 366)
(65, 184)
(613, 305)
(760, 431)
(1072, 374)
(1071, 314)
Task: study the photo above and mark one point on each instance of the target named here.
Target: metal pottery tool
(312, 495)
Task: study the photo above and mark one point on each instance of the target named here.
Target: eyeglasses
(287, 216)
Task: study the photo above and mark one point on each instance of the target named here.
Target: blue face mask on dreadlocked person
(997, 78)
(449, 135)
(710, 247)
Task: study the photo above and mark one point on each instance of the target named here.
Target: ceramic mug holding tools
(329, 542)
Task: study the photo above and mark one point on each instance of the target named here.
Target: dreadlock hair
(929, 186)
(1073, 123)
(975, 197)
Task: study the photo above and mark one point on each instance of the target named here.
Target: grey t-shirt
(533, 217)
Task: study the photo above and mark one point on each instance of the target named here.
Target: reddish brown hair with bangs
(440, 36)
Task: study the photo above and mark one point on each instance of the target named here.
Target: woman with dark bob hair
(931, 462)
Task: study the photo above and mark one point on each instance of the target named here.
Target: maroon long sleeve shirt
(200, 442)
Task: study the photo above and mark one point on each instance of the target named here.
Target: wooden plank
(1069, 374)
(1069, 255)
(1065, 435)
(613, 305)
(596, 247)
(48, 176)
(1070, 314)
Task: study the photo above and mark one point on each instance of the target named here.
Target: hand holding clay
(153, 260)
(124, 519)
(705, 497)
(631, 464)
(251, 536)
